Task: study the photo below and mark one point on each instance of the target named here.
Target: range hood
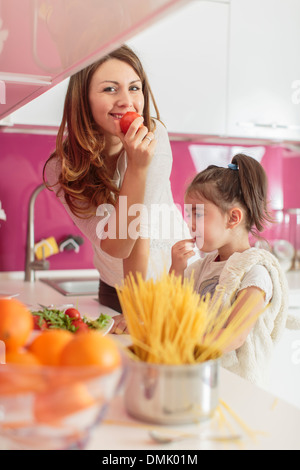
(43, 42)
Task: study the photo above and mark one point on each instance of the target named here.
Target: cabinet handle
(272, 125)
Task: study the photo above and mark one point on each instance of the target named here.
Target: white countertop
(276, 422)
(33, 294)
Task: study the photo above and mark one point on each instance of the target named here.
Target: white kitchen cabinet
(42, 43)
(264, 69)
(45, 110)
(185, 56)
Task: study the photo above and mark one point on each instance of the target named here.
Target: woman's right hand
(139, 144)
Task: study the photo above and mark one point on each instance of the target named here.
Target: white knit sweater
(251, 361)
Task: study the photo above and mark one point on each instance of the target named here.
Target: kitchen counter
(271, 422)
(33, 294)
(268, 424)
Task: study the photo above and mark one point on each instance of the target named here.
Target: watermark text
(296, 353)
(296, 92)
(2, 92)
(158, 222)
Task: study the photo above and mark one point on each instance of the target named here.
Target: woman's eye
(110, 89)
(135, 88)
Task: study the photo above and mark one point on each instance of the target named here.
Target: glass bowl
(53, 408)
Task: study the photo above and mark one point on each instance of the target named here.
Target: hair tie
(233, 166)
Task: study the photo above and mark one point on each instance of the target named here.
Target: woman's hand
(140, 147)
(181, 252)
(138, 143)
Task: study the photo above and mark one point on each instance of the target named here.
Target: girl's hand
(139, 144)
(119, 327)
(181, 252)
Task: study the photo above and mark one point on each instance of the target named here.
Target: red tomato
(38, 323)
(80, 325)
(127, 119)
(73, 313)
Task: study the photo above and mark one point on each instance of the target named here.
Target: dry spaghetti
(169, 323)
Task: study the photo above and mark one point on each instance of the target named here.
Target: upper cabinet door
(185, 57)
(42, 42)
(264, 80)
(46, 110)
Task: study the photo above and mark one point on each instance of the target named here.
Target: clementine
(48, 345)
(91, 348)
(16, 323)
(22, 357)
(55, 404)
(17, 378)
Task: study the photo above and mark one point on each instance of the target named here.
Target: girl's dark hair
(247, 186)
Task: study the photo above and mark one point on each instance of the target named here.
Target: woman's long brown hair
(84, 178)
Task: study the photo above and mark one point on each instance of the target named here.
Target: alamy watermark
(158, 222)
(2, 92)
(296, 92)
(296, 353)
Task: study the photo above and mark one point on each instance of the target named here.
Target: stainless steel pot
(170, 394)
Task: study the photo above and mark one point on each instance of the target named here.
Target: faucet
(32, 265)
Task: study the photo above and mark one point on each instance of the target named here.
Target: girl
(99, 173)
(225, 205)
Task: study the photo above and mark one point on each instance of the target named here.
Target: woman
(103, 176)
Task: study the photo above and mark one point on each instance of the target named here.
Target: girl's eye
(199, 214)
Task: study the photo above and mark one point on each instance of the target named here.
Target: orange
(91, 348)
(17, 379)
(22, 373)
(55, 404)
(22, 357)
(16, 323)
(47, 346)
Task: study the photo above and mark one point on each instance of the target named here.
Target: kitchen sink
(74, 286)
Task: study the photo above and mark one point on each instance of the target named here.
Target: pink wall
(291, 179)
(281, 165)
(21, 163)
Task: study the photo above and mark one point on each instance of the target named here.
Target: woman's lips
(117, 116)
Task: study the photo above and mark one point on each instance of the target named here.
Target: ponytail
(254, 188)
(244, 182)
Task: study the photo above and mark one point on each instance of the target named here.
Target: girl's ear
(235, 216)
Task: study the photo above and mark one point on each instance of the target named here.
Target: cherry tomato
(80, 325)
(127, 119)
(73, 313)
(39, 324)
